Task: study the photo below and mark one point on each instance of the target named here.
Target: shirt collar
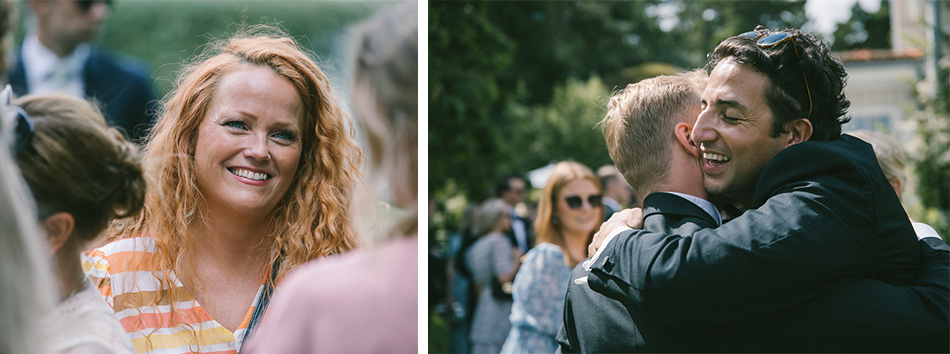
(611, 202)
(42, 61)
(703, 204)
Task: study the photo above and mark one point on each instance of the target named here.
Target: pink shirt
(364, 301)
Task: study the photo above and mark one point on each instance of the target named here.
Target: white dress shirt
(46, 72)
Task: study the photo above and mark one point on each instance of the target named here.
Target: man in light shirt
(616, 192)
(58, 56)
(513, 189)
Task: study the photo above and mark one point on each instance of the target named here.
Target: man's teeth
(250, 175)
(715, 157)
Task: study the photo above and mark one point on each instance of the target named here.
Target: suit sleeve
(868, 315)
(793, 248)
(757, 264)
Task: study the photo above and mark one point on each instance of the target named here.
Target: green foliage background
(514, 86)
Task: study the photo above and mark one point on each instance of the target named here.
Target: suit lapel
(670, 207)
(17, 77)
(92, 75)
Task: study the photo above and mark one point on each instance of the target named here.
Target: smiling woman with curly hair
(251, 168)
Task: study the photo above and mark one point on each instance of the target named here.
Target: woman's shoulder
(83, 320)
(545, 252)
(135, 244)
(119, 256)
(488, 241)
(389, 267)
(546, 249)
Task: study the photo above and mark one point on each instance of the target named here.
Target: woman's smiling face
(249, 142)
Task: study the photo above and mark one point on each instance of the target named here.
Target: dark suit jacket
(594, 323)
(121, 88)
(827, 253)
(529, 234)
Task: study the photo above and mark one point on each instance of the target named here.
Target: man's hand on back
(632, 218)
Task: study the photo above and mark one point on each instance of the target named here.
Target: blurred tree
(699, 26)
(865, 30)
(467, 56)
(496, 68)
(931, 156)
(561, 39)
(566, 129)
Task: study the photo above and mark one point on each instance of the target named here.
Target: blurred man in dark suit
(513, 189)
(617, 193)
(57, 55)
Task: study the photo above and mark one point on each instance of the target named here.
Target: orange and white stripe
(121, 271)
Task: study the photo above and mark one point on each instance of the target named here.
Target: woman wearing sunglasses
(569, 213)
(82, 175)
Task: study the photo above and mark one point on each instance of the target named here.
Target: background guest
(569, 212)
(891, 159)
(617, 195)
(461, 289)
(493, 261)
(27, 291)
(513, 189)
(57, 55)
(82, 174)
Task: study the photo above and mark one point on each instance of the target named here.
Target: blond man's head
(638, 127)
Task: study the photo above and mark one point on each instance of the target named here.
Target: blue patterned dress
(538, 306)
(491, 255)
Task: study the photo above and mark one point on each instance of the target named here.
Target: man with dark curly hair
(824, 259)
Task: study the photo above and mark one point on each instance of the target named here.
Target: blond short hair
(888, 152)
(639, 123)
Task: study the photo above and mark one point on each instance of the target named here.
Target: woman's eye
(235, 124)
(730, 119)
(285, 135)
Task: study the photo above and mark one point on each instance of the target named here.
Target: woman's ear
(58, 228)
(799, 131)
(896, 183)
(682, 132)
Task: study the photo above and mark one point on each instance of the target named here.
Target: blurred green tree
(864, 30)
(700, 25)
(566, 129)
(499, 73)
(467, 122)
(931, 158)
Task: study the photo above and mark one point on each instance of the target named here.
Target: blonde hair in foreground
(77, 164)
(311, 221)
(385, 102)
(639, 124)
(26, 282)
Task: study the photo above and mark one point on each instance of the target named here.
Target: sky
(826, 13)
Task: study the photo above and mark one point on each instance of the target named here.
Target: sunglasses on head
(767, 39)
(575, 202)
(22, 130)
(85, 5)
